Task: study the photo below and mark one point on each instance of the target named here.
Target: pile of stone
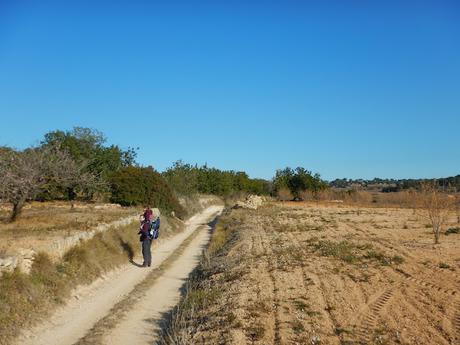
(8, 263)
(23, 260)
(252, 202)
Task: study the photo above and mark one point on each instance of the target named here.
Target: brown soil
(332, 274)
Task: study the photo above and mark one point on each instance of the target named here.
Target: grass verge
(199, 292)
(29, 298)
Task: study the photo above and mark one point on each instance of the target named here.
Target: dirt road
(77, 319)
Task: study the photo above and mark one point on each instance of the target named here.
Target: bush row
(189, 179)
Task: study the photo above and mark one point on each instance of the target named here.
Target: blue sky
(348, 89)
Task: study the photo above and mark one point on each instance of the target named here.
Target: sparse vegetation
(24, 297)
(355, 253)
(270, 266)
(455, 230)
(444, 265)
(202, 294)
(437, 207)
(255, 332)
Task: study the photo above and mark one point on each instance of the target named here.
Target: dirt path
(140, 325)
(92, 303)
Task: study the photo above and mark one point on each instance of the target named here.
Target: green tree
(88, 147)
(190, 179)
(282, 179)
(143, 186)
(298, 181)
(182, 177)
(85, 144)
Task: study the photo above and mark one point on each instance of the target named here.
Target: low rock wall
(58, 248)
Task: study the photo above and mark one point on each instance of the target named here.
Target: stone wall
(58, 248)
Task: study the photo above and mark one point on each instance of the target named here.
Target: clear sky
(348, 89)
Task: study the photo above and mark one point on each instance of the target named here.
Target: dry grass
(200, 294)
(355, 253)
(27, 298)
(41, 223)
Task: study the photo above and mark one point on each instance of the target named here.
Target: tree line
(189, 179)
(79, 164)
(396, 185)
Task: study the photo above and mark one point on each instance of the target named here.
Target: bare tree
(25, 174)
(437, 206)
(457, 201)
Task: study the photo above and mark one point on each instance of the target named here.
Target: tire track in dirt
(371, 316)
(276, 299)
(331, 317)
(260, 251)
(453, 312)
(444, 271)
(423, 283)
(370, 236)
(276, 305)
(372, 310)
(315, 280)
(456, 321)
(431, 289)
(387, 245)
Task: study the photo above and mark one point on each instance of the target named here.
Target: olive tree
(25, 174)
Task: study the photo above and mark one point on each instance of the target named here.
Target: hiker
(149, 231)
(146, 240)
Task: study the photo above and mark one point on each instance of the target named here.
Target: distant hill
(394, 185)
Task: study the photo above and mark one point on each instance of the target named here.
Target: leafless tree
(437, 207)
(25, 174)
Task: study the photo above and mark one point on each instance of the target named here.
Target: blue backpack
(155, 228)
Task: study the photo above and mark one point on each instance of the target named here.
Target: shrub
(453, 231)
(297, 181)
(355, 253)
(284, 194)
(307, 195)
(143, 186)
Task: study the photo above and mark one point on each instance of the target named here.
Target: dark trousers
(146, 251)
